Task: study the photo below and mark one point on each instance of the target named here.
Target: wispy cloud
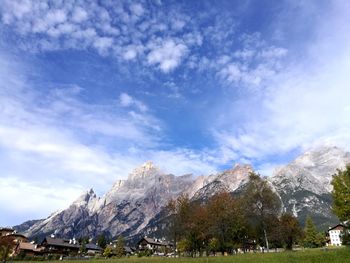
(248, 91)
(302, 105)
(57, 139)
(127, 101)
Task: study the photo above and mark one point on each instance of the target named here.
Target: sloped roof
(16, 235)
(6, 229)
(53, 241)
(30, 246)
(93, 247)
(156, 242)
(336, 226)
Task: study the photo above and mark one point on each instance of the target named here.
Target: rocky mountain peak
(313, 170)
(236, 177)
(132, 205)
(324, 155)
(85, 197)
(229, 180)
(146, 170)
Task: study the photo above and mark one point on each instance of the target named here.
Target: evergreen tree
(310, 239)
(102, 241)
(119, 249)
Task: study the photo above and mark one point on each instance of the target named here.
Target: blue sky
(89, 90)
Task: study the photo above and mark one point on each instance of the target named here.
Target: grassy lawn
(308, 256)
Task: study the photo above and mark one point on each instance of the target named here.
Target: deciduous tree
(6, 245)
(226, 222)
(262, 206)
(341, 194)
(290, 230)
(119, 249)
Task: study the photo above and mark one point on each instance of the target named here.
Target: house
(4, 231)
(60, 246)
(93, 249)
(29, 249)
(335, 234)
(128, 250)
(153, 244)
(17, 237)
(12, 238)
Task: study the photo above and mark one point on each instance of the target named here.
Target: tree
(310, 239)
(179, 217)
(262, 206)
(213, 245)
(320, 239)
(6, 245)
(108, 252)
(183, 245)
(83, 241)
(102, 241)
(225, 221)
(341, 194)
(82, 248)
(290, 230)
(341, 200)
(119, 249)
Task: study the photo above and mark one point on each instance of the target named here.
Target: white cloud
(302, 105)
(103, 44)
(20, 198)
(178, 24)
(251, 66)
(79, 15)
(137, 9)
(126, 101)
(111, 28)
(46, 151)
(55, 17)
(166, 54)
(183, 161)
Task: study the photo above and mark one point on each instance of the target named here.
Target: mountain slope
(125, 209)
(304, 184)
(135, 206)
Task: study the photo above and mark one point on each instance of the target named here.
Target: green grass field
(309, 256)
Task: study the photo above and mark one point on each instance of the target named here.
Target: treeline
(226, 223)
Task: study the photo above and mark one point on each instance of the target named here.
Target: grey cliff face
(304, 185)
(229, 181)
(134, 206)
(126, 208)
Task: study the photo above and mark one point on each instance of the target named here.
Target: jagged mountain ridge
(304, 185)
(126, 208)
(133, 206)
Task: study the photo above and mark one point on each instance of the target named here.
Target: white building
(335, 233)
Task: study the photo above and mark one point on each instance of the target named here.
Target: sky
(90, 90)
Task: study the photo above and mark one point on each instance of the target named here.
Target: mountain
(125, 209)
(304, 185)
(229, 181)
(135, 206)
(202, 188)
